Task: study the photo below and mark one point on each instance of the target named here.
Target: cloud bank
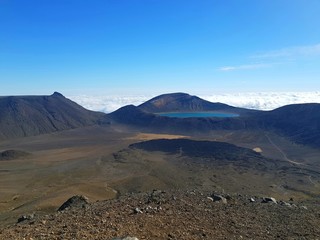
(264, 100)
(253, 100)
(108, 103)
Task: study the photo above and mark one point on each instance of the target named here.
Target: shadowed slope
(32, 115)
(299, 122)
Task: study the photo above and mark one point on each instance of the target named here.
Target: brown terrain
(174, 215)
(117, 166)
(97, 162)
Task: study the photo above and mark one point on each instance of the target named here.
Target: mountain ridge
(179, 102)
(298, 122)
(33, 115)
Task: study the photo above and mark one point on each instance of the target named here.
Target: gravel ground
(173, 215)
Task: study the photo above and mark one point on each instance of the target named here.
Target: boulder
(77, 201)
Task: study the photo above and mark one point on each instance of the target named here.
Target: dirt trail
(310, 179)
(287, 159)
(282, 153)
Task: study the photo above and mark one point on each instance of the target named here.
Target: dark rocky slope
(299, 122)
(33, 115)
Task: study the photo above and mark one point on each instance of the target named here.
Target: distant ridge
(298, 122)
(135, 117)
(22, 116)
(32, 115)
(183, 102)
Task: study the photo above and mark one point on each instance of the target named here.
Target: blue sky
(145, 46)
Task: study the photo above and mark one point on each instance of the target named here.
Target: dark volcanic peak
(32, 115)
(182, 102)
(132, 115)
(57, 94)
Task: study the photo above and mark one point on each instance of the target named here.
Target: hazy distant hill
(33, 115)
(182, 102)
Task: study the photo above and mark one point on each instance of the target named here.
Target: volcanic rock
(77, 201)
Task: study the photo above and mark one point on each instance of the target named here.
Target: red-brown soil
(174, 215)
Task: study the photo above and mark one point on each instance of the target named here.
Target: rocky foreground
(173, 215)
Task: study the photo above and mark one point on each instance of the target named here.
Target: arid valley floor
(97, 162)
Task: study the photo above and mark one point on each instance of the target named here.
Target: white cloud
(291, 52)
(264, 100)
(253, 100)
(108, 103)
(243, 67)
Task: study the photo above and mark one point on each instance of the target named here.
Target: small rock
(269, 200)
(283, 203)
(219, 198)
(210, 198)
(137, 210)
(157, 196)
(25, 217)
(304, 207)
(228, 197)
(252, 200)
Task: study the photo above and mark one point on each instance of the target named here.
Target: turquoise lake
(198, 114)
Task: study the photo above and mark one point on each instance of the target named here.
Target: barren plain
(97, 162)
